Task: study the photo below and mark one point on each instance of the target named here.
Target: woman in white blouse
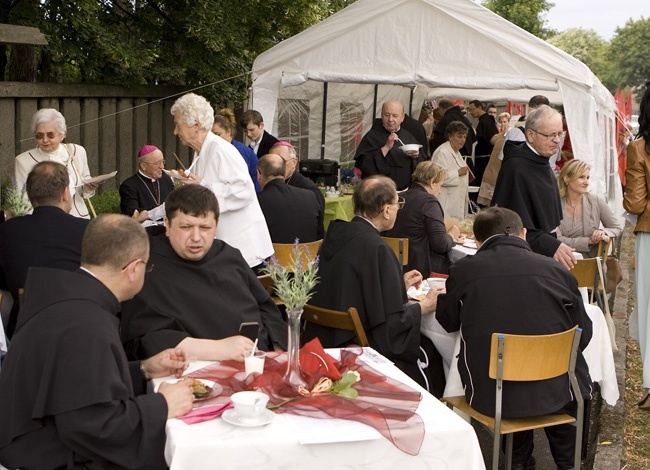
(583, 213)
(453, 197)
(49, 130)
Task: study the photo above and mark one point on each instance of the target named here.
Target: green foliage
(107, 202)
(527, 14)
(589, 48)
(172, 42)
(628, 53)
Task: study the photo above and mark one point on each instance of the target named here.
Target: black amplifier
(327, 170)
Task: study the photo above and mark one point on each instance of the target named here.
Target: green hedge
(108, 202)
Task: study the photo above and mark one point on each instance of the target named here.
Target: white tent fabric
(412, 50)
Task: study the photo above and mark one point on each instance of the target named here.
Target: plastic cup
(254, 363)
(436, 283)
(249, 405)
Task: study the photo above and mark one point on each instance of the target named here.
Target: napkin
(205, 413)
(315, 361)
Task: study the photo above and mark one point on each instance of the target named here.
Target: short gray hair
(194, 108)
(539, 114)
(47, 115)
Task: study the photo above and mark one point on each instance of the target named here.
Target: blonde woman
(587, 219)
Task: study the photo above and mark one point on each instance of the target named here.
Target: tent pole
(322, 138)
(374, 103)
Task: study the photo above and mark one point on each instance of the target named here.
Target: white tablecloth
(598, 355)
(449, 443)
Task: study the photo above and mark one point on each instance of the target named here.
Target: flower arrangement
(342, 387)
(16, 200)
(294, 283)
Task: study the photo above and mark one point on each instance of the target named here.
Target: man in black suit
(149, 187)
(290, 212)
(451, 113)
(50, 237)
(291, 176)
(253, 126)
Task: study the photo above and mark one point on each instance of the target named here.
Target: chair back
(585, 272)
(531, 357)
(337, 319)
(284, 251)
(400, 247)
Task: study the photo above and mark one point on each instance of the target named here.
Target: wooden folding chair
(400, 247)
(269, 286)
(337, 319)
(284, 251)
(528, 358)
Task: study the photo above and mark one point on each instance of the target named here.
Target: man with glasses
(527, 185)
(149, 187)
(358, 269)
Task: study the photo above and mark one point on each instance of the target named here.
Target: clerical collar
(367, 220)
(535, 151)
(153, 180)
(88, 271)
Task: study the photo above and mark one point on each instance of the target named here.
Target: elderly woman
(49, 130)
(422, 221)
(225, 127)
(637, 201)
(218, 165)
(583, 212)
(494, 165)
(453, 197)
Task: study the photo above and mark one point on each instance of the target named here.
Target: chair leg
(579, 429)
(496, 451)
(509, 451)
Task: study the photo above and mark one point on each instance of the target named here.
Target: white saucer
(231, 416)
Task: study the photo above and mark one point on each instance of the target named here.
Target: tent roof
(449, 44)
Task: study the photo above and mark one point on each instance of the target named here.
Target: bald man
(379, 152)
(290, 212)
(149, 187)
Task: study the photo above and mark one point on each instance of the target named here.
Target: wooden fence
(111, 122)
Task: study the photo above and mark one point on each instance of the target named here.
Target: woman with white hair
(49, 130)
(218, 165)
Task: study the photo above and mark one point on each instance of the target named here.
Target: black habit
(397, 165)
(48, 238)
(206, 299)
(298, 180)
(438, 138)
(422, 221)
(527, 185)
(358, 269)
(141, 193)
(68, 396)
(291, 213)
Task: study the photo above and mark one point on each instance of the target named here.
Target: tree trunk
(22, 63)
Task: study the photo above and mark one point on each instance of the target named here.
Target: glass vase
(293, 375)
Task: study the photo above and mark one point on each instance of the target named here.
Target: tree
(589, 48)
(628, 53)
(527, 14)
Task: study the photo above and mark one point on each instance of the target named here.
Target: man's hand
(430, 302)
(192, 179)
(234, 348)
(564, 255)
(412, 278)
(179, 397)
(392, 138)
(463, 171)
(598, 236)
(167, 362)
(141, 216)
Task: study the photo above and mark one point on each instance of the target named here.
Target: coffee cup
(436, 282)
(249, 405)
(254, 363)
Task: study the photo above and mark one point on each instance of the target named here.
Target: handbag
(614, 274)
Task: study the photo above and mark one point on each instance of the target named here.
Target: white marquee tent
(323, 87)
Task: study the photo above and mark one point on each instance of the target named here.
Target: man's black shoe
(530, 465)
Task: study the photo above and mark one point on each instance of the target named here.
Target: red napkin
(205, 413)
(439, 275)
(315, 361)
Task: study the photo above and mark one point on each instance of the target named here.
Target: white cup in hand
(254, 363)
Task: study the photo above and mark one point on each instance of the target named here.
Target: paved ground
(605, 446)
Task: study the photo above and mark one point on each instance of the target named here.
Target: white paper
(324, 431)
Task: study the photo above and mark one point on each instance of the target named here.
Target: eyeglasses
(553, 136)
(158, 163)
(400, 203)
(41, 135)
(148, 267)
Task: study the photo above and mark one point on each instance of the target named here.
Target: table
(338, 208)
(449, 442)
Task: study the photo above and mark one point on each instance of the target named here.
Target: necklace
(155, 199)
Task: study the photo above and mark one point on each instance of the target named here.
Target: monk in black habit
(358, 269)
(68, 396)
(527, 185)
(201, 291)
(379, 151)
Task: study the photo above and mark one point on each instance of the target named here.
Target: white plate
(470, 244)
(100, 178)
(176, 176)
(216, 388)
(232, 417)
(418, 294)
